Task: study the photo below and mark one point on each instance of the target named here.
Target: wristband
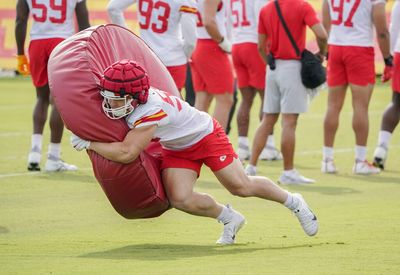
(389, 61)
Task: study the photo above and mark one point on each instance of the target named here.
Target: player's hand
(225, 45)
(78, 143)
(387, 73)
(23, 65)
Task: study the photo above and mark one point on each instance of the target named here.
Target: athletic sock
(225, 215)
(360, 152)
(384, 139)
(36, 143)
(54, 150)
(243, 141)
(291, 202)
(270, 141)
(327, 152)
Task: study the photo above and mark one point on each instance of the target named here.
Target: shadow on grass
(321, 189)
(68, 176)
(4, 230)
(167, 252)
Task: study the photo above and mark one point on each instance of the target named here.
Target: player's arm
(322, 38)
(209, 19)
(189, 32)
(115, 9)
(326, 17)
(82, 15)
(21, 22)
(127, 150)
(382, 33)
(262, 46)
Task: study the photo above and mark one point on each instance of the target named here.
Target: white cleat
(270, 153)
(250, 170)
(328, 166)
(34, 161)
(294, 178)
(305, 216)
(58, 166)
(365, 168)
(231, 228)
(380, 156)
(243, 152)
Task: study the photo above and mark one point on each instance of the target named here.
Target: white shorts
(284, 92)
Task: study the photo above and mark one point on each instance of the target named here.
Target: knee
(242, 190)
(178, 202)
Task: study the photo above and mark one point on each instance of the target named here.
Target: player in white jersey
(351, 63)
(211, 69)
(189, 138)
(53, 21)
(250, 71)
(167, 26)
(391, 116)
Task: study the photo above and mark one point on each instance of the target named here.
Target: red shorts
(211, 68)
(249, 66)
(350, 64)
(396, 73)
(39, 53)
(178, 73)
(214, 150)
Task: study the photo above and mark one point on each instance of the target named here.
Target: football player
(189, 139)
(52, 23)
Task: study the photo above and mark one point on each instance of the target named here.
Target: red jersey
(297, 14)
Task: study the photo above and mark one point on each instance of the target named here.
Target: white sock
(270, 141)
(244, 141)
(327, 152)
(291, 202)
(384, 139)
(36, 143)
(288, 172)
(55, 150)
(361, 152)
(225, 215)
(251, 167)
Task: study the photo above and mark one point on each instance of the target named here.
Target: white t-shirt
(51, 18)
(179, 125)
(351, 22)
(160, 25)
(244, 20)
(220, 18)
(395, 28)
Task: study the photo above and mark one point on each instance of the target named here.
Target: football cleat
(365, 168)
(57, 165)
(294, 178)
(232, 227)
(328, 166)
(380, 156)
(34, 161)
(270, 153)
(305, 216)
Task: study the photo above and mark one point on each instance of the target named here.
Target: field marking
(306, 152)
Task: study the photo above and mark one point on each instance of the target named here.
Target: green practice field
(63, 223)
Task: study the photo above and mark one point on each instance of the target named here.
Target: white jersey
(395, 28)
(220, 18)
(52, 18)
(351, 22)
(244, 20)
(179, 125)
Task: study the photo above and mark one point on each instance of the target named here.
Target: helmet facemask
(125, 108)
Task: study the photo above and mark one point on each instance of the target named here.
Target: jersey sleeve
(310, 15)
(148, 115)
(188, 6)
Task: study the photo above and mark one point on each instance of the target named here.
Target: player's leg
(239, 184)
(179, 184)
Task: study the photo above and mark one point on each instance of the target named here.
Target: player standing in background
(250, 71)
(351, 63)
(167, 26)
(391, 116)
(211, 69)
(52, 23)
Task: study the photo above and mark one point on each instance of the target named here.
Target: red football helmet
(123, 81)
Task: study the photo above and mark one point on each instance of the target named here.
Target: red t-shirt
(297, 14)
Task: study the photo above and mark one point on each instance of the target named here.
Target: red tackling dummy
(135, 190)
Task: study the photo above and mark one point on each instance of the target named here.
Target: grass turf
(63, 223)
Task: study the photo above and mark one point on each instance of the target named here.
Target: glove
(78, 143)
(23, 65)
(225, 45)
(388, 71)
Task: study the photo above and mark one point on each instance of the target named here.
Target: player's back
(351, 22)
(52, 19)
(159, 22)
(244, 21)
